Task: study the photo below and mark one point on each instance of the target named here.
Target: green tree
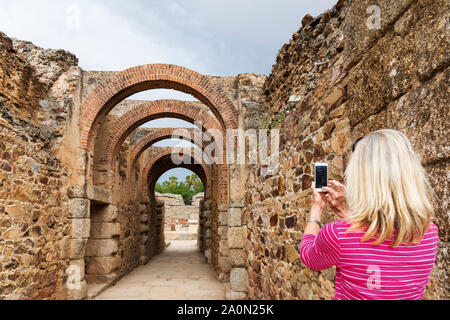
(187, 189)
(173, 181)
(193, 182)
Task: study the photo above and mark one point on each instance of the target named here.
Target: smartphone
(321, 175)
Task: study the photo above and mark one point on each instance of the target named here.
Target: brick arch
(157, 135)
(154, 76)
(151, 110)
(165, 155)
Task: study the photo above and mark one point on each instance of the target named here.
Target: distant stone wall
(334, 82)
(181, 221)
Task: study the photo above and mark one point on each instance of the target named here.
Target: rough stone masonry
(77, 179)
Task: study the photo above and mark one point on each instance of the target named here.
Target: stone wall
(334, 82)
(181, 221)
(244, 91)
(35, 227)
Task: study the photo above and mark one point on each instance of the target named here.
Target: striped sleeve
(322, 251)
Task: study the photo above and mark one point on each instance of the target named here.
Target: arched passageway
(120, 172)
(126, 83)
(105, 153)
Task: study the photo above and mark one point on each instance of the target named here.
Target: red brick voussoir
(146, 77)
(157, 135)
(185, 110)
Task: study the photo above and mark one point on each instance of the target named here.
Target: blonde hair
(387, 190)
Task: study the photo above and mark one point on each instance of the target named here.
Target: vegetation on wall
(187, 189)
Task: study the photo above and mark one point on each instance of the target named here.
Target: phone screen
(321, 177)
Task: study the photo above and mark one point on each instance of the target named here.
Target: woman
(385, 245)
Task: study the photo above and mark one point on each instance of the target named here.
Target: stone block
(336, 95)
(79, 267)
(208, 256)
(338, 112)
(144, 239)
(144, 218)
(104, 230)
(239, 280)
(143, 228)
(373, 123)
(79, 208)
(223, 218)
(78, 294)
(224, 277)
(224, 249)
(104, 213)
(81, 228)
(235, 217)
(431, 44)
(103, 265)
(142, 208)
(224, 264)
(208, 214)
(341, 142)
(439, 176)
(222, 231)
(15, 211)
(397, 64)
(144, 260)
(223, 207)
(422, 115)
(101, 248)
(306, 292)
(101, 278)
(291, 253)
(237, 257)
(358, 37)
(64, 248)
(77, 248)
(235, 296)
(159, 203)
(236, 237)
(102, 195)
(142, 250)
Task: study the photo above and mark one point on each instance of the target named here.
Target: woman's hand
(318, 198)
(336, 198)
(319, 204)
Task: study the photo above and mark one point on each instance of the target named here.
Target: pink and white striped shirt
(365, 271)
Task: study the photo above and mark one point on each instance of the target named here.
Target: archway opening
(117, 130)
(107, 135)
(183, 193)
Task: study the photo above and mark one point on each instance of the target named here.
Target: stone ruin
(77, 175)
(181, 220)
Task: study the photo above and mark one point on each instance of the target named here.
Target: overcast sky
(214, 37)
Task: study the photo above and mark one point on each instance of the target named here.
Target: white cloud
(105, 40)
(221, 37)
(177, 9)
